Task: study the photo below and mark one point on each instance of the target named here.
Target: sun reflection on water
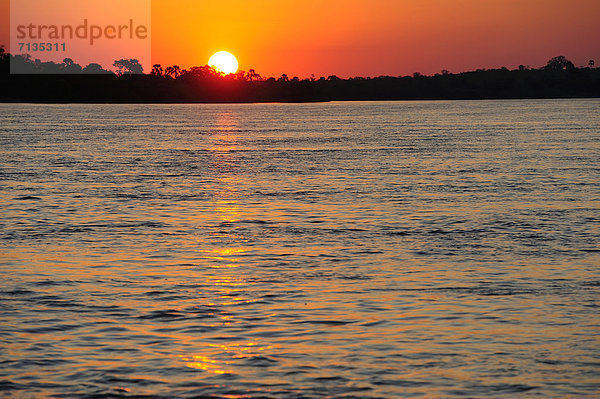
(204, 363)
(223, 356)
(223, 257)
(223, 250)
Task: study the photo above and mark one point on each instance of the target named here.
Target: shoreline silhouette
(69, 82)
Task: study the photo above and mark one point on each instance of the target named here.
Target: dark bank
(68, 82)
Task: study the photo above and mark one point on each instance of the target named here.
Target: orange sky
(371, 38)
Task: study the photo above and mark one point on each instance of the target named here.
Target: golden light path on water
(228, 211)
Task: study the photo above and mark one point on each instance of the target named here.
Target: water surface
(382, 249)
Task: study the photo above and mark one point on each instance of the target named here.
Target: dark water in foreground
(393, 249)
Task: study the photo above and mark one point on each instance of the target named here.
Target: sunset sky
(371, 38)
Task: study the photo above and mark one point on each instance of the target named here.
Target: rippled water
(383, 249)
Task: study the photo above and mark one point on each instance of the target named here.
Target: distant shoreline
(147, 89)
(559, 79)
(294, 102)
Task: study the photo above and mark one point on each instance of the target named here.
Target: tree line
(70, 82)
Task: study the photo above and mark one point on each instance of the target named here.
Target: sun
(224, 62)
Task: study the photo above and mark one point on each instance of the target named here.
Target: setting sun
(224, 62)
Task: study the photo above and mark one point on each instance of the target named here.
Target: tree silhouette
(69, 66)
(252, 75)
(202, 72)
(157, 70)
(94, 68)
(241, 75)
(128, 67)
(559, 63)
(4, 61)
(173, 71)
